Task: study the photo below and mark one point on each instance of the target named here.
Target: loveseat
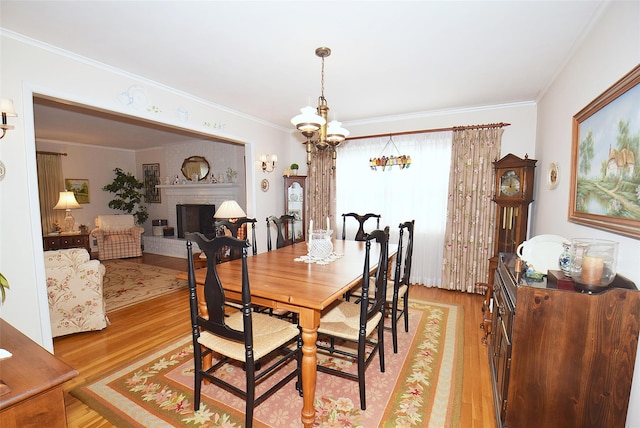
(117, 236)
(74, 291)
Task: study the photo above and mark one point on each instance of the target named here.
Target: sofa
(117, 236)
(74, 291)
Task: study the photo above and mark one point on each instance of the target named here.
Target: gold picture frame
(79, 187)
(605, 180)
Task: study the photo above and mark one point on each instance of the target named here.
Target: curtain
(50, 184)
(471, 210)
(416, 193)
(322, 189)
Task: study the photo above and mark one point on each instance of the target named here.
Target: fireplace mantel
(207, 193)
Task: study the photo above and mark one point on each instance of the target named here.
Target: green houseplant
(128, 195)
(4, 286)
(294, 168)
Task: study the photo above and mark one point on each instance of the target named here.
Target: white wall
(29, 68)
(610, 51)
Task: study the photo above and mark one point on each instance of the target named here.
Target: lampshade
(336, 133)
(6, 107)
(229, 209)
(67, 201)
(7, 110)
(309, 121)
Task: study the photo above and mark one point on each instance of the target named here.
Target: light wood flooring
(139, 329)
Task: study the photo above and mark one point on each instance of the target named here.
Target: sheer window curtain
(418, 192)
(50, 184)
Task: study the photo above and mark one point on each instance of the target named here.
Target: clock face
(510, 183)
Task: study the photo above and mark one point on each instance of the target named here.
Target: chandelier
(312, 123)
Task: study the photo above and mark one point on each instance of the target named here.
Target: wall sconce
(267, 162)
(6, 106)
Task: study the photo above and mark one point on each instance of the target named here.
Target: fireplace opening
(196, 218)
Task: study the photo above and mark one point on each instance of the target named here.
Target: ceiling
(389, 58)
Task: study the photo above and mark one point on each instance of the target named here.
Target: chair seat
(401, 290)
(269, 333)
(343, 320)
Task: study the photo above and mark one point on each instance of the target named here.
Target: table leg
(309, 322)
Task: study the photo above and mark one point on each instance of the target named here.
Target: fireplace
(195, 218)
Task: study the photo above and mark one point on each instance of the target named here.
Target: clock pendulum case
(513, 192)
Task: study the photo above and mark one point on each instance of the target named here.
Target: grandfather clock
(513, 192)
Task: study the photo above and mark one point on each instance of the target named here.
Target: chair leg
(197, 386)
(381, 344)
(251, 393)
(394, 325)
(405, 300)
(361, 373)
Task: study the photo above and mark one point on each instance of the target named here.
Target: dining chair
(356, 322)
(240, 338)
(233, 227)
(283, 224)
(361, 220)
(397, 284)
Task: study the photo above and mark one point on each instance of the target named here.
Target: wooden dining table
(279, 282)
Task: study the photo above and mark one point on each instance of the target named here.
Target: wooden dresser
(35, 378)
(60, 242)
(559, 357)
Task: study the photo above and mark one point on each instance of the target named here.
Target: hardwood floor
(139, 329)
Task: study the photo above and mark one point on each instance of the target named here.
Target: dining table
(279, 281)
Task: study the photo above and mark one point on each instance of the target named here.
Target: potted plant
(128, 195)
(4, 286)
(294, 169)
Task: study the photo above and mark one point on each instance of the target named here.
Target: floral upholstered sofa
(117, 236)
(74, 291)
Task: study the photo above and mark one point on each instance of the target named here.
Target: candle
(328, 225)
(592, 270)
(310, 226)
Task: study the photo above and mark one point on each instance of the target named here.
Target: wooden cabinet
(295, 203)
(59, 242)
(35, 379)
(561, 358)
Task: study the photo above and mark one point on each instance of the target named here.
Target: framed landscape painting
(151, 174)
(605, 176)
(79, 187)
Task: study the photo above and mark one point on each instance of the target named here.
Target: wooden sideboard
(35, 379)
(560, 357)
(59, 242)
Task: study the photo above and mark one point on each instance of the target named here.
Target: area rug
(127, 283)
(421, 386)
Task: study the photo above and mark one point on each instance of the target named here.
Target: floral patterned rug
(421, 386)
(127, 283)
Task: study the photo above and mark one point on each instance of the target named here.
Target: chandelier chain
(322, 80)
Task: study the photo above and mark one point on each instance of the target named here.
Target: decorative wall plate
(264, 184)
(2, 170)
(553, 176)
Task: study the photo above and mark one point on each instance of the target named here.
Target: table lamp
(230, 210)
(67, 202)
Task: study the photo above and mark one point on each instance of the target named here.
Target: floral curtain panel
(471, 210)
(322, 190)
